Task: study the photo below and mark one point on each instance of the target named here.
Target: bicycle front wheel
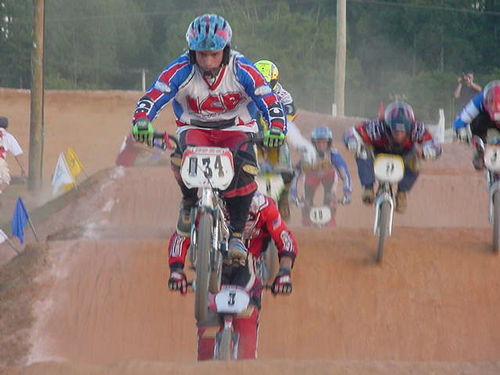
(496, 221)
(224, 348)
(383, 228)
(204, 238)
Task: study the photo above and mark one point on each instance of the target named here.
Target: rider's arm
(287, 100)
(298, 172)
(456, 94)
(422, 136)
(257, 88)
(469, 112)
(177, 249)
(282, 237)
(163, 89)
(340, 165)
(371, 131)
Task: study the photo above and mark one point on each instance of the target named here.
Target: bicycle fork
(221, 339)
(384, 197)
(493, 187)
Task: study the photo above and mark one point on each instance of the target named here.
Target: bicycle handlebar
(165, 138)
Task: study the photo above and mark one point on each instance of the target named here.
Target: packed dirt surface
(91, 298)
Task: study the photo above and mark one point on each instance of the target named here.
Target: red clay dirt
(98, 297)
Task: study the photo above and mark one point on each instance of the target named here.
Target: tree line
(411, 49)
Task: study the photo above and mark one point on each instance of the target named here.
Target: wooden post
(37, 91)
(340, 60)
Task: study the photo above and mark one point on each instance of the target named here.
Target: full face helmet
(4, 122)
(269, 70)
(492, 100)
(399, 116)
(209, 32)
(321, 133)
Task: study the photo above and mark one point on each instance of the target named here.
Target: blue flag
(19, 220)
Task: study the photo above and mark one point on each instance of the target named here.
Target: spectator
(8, 143)
(466, 89)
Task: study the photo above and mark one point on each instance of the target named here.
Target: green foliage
(411, 48)
(15, 43)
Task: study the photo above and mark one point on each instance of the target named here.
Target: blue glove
(143, 131)
(274, 137)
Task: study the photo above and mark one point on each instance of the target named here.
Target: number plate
(389, 168)
(231, 300)
(492, 157)
(205, 166)
(320, 215)
(270, 185)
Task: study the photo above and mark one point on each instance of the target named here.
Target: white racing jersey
(230, 102)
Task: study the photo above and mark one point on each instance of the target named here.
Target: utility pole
(37, 91)
(340, 60)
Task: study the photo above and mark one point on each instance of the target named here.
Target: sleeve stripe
(167, 75)
(253, 73)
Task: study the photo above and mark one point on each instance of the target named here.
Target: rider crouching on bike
(263, 225)
(328, 164)
(399, 134)
(269, 158)
(215, 93)
(482, 113)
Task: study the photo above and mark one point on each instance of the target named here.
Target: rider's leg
(479, 127)
(191, 137)
(285, 162)
(329, 182)
(246, 324)
(238, 196)
(404, 186)
(367, 178)
(311, 183)
(207, 330)
(237, 208)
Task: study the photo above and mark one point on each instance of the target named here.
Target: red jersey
(264, 223)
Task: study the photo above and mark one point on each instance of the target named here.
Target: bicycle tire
(215, 274)
(224, 348)
(496, 221)
(383, 226)
(204, 238)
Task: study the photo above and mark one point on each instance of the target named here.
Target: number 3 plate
(232, 300)
(205, 166)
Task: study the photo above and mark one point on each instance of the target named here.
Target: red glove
(282, 283)
(177, 280)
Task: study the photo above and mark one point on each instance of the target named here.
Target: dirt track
(103, 298)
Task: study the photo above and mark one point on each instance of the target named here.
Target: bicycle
(389, 170)
(211, 169)
(229, 301)
(491, 152)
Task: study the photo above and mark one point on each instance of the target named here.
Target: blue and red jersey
(229, 102)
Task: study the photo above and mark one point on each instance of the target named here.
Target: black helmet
(4, 122)
(399, 116)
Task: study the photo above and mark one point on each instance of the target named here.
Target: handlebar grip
(255, 139)
(164, 141)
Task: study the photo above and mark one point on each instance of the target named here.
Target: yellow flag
(74, 164)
